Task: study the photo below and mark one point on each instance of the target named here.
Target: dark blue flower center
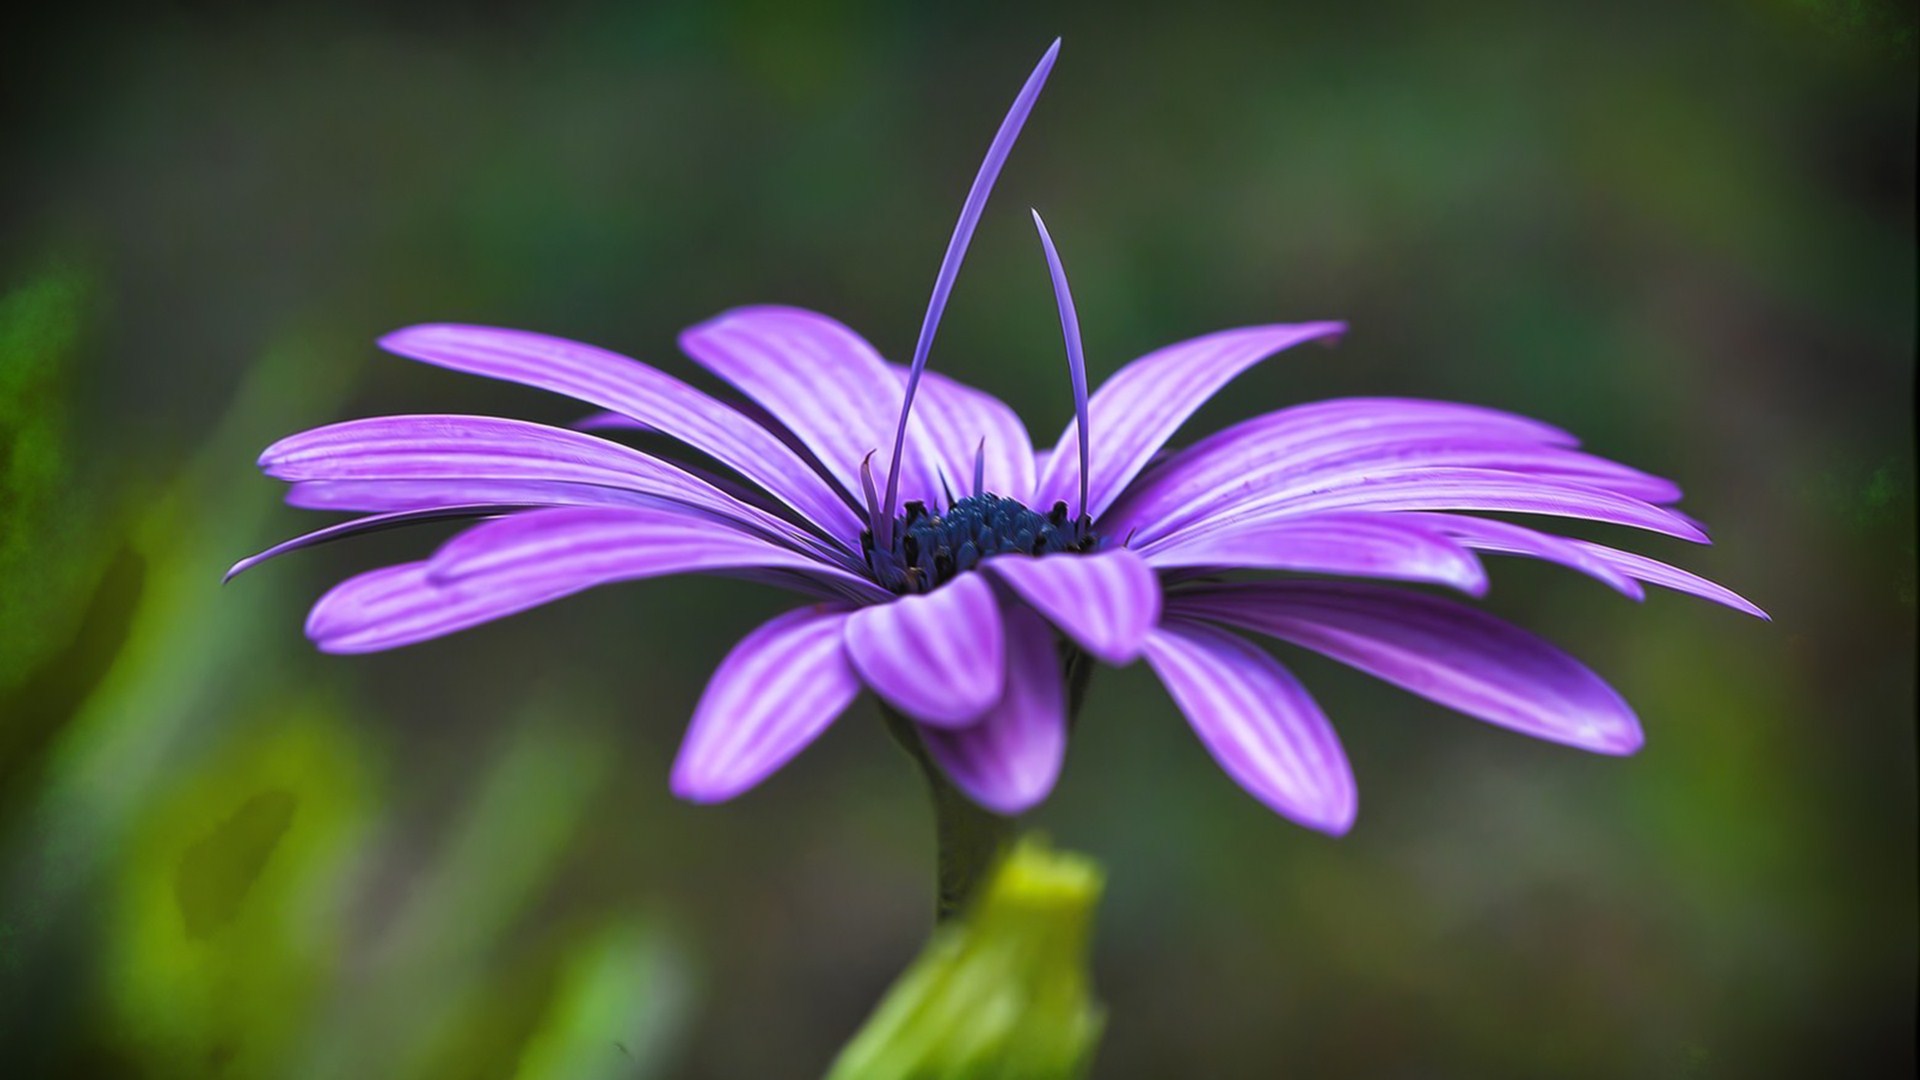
(929, 548)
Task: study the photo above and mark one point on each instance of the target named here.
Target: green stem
(971, 840)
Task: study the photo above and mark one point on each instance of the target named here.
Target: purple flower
(947, 582)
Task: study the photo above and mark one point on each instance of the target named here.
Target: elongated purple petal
(386, 496)
(607, 420)
(524, 560)
(476, 450)
(1445, 652)
(1258, 722)
(976, 202)
(1076, 357)
(1654, 572)
(362, 526)
(957, 420)
(773, 695)
(659, 400)
(1362, 545)
(1186, 485)
(1134, 413)
(1463, 489)
(1106, 602)
(1506, 538)
(500, 496)
(1008, 761)
(939, 657)
(1254, 489)
(820, 380)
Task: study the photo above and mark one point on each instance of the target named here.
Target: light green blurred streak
(429, 971)
(1002, 991)
(229, 899)
(192, 650)
(622, 996)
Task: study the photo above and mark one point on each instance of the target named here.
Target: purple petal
(360, 526)
(1106, 602)
(1658, 573)
(1362, 545)
(1134, 413)
(1301, 447)
(462, 450)
(500, 496)
(1076, 358)
(385, 496)
(659, 400)
(1506, 538)
(1258, 722)
(524, 560)
(773, 695)
(956, 421)
(970, 210)
(820, 380)
(939, 657)
(1443, 651)
(609, 421)
(1472, 489)
(1008, 761)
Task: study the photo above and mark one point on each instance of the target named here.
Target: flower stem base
(971, 840)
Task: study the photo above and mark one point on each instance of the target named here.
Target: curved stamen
(997, 152)
(1076, 358)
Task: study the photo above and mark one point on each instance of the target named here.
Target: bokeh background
(1684, 231)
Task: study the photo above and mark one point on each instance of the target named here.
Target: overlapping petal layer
(1355, 544)
(1443, 651)
(662, 402)
(513, 563)
(1007, 760)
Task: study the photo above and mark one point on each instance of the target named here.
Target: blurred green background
(1684, 231)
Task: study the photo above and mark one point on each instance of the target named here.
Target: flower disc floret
(929, 549)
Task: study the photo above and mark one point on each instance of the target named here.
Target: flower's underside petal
(1464, 489)
(773, 695)
(1506, 538)
(1258, 722)
(466, 453)
(1654, 572)
(524, 560)
(1008, 761)
(822, 382)
(654, 398)
(1357, 544)
(1106, 602)
(375, 523)
(1443, 651)
(607, 420)
(956, 420)
(1134, 413)
(939, 657)
(1306, 445)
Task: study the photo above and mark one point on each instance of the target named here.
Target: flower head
(947, 583)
